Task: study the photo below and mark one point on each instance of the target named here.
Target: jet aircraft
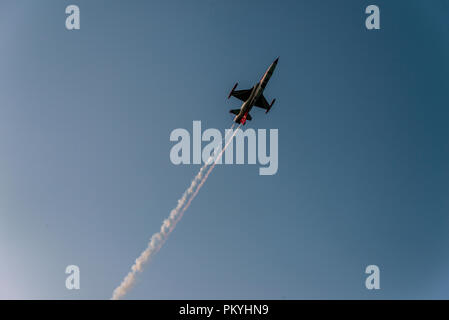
(252, 97)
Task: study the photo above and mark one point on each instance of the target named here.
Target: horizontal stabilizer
(235, 111)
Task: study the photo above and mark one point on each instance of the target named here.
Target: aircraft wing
(262, 103)
(242, 94)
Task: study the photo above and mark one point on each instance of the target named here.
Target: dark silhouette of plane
(252, 97)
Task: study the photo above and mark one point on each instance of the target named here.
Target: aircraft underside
(252, 97)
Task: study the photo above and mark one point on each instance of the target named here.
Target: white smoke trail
(208, 172)
(159, 238)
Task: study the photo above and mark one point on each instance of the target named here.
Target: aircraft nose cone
(276, 61)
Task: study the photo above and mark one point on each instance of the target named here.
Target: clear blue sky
(85, 175)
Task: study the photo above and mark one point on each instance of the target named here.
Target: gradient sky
(85, 175)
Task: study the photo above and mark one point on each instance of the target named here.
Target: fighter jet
(252, 97)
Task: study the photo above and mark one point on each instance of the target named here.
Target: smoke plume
(158, 239)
